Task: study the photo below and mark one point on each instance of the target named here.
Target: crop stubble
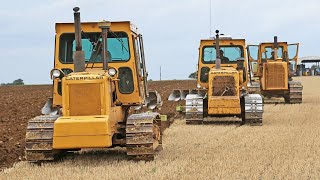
(286, 146)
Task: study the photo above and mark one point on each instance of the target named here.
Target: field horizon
(287, 146)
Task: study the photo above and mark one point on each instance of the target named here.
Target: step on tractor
(221, 91)
(272, 66)
(99, 81)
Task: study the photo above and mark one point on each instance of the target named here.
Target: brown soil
(165, 88)
(20, 103)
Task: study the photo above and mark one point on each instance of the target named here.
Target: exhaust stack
(78, 55)
(218, 60)
(275, 46)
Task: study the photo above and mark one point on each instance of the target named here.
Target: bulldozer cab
(274, 63)
(271, 67)
(232, 54)
(125, 54)
(265, 52)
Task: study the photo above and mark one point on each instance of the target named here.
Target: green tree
(18, 82)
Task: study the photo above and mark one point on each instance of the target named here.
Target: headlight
(198, 86)
(112, 72)
(56, 73)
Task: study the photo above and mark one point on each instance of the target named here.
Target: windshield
(228, 54)
(268, 53)
(118, 47)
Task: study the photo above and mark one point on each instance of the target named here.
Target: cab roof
(209, 40)
(267, 43)
(93, 26)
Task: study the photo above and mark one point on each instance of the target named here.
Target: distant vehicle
(272, 66)
(222, 84)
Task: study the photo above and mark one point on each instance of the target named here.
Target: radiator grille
(275, 76)
(224, 86)
(84, 99)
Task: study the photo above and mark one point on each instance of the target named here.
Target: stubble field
(287, 146)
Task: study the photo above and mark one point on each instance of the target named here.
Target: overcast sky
(172, 30)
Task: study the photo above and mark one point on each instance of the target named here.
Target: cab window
(204, 74)
(125, 80)
(118, 47)
(268, 53)
(228, 54)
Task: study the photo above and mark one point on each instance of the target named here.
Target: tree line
(14, 83)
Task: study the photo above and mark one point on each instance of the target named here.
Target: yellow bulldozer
(272, 66)
(99, 81)
(221, 84)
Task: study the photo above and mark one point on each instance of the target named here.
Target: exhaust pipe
(275, 46)
(218, 60)
(78, 55)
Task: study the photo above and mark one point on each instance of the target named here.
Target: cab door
(144, 68)
(293, 50)
(140, 66)
(253, 55)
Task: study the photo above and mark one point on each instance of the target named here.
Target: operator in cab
(224, 60)
(272, 55)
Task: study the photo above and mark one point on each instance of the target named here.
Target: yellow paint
(57, 100)
(275, 80)
(270, 80)
(255, 68)
(90, 117)
(222, 42)
(90, 27)
(224, 105)
(82, 132)
(89, 92)
(90, 112)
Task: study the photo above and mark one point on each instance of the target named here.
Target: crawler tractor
(99, 79)
(222, 85)
(272, 66)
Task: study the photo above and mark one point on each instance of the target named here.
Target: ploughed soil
(18, 104)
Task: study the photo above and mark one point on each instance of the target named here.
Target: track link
(295, 92)
(143, 136)
(39, 139)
